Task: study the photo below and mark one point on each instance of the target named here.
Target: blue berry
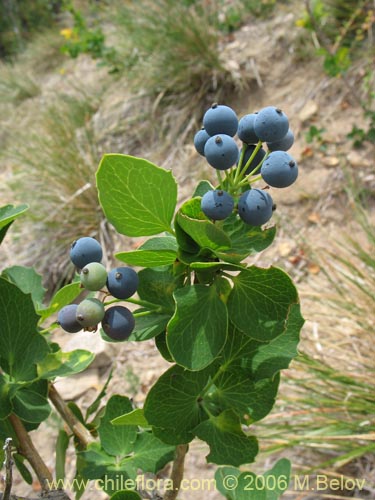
(85, 250)
(283, 144)
(67, 319)
(217, 205)
(90, 312)
(122, 282)
(271, 124)
(118, 322)
(255, 207)
(93, 276)
(221, 151)
(279, 170)
(256, 160)
(220, 119)
(246, 130)
(200, 139)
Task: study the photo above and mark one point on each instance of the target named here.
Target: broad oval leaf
(21, 346)
(204, 232)
(228, 444)
(27, 280)
(260, 301)
(63, 364)
(198, 329)
(30, 406)
(137, 197)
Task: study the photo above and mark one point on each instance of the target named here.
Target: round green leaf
(260, 301)
(198, 330)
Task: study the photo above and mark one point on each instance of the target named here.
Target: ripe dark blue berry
(246, 130)
(221, 151)
(118, 322)
(217, 205)
(122, 282)
(271, 124)
(93, 276)
(255, 207)
(200, 139)
(90, 312)
(279, 169)
(256, 160)
(85, 250)
(283, 144)
(67, 319)
(220, 119)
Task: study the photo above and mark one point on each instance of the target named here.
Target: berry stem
(219, 178)
(240, 161)
(145, 313)
(241, 171)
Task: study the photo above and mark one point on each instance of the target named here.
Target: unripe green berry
(93, 276)
(90, 312)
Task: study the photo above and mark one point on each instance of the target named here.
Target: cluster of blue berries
(122, 282)
(216, 142)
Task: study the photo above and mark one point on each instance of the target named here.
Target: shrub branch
(28, 450)
(78, 429)
(177, 471)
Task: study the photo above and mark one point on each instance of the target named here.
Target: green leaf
(21, 346)
(7, 215)
(137, 197)
(260, 300)
(9, 212)
(62, 444)
(270, 358)
(30, 406)
(202, 188)
(117, 440)
(22, 469)
(270, 486)
(228, 444)
(125, 495)
(5, 404)
(155, 252)
(161, 345)
(198, 330)
(157, 285)
(27, 280)
(204, 232)
(62, 364)
(245, 240)
(147, 327)
(235, 390)
(96, 403)
(172, 403)
(62, 298)
(135, 417)
(94, 461)
(150, 454)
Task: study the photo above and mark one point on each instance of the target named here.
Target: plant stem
(28, 450)
(78, 429)
(177, 471)
(8, 462)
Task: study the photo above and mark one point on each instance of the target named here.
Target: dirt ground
(309, 213)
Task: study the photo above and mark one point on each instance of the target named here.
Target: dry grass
(326, 407)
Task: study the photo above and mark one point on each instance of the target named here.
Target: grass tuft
(327, 403)
(54, 172)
